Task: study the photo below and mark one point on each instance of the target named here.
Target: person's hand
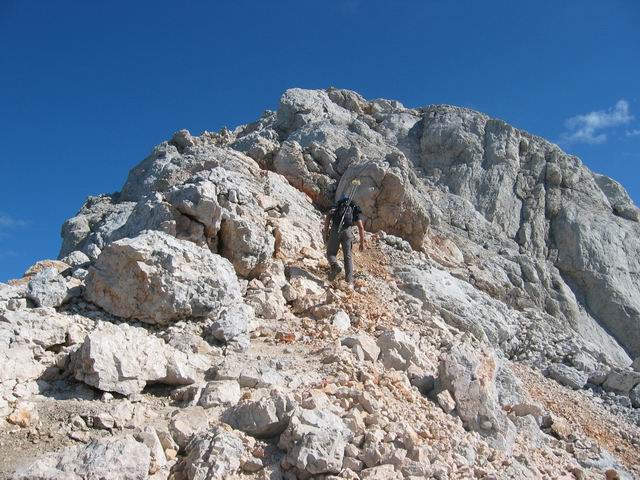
(361, 245)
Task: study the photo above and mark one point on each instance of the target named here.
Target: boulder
(111, 458)
(187, 422)
(157, 278)
(262, 418)
(77, 259)
(220, 393)
(39, 326)
(621, 381)
(315, 441)
(397, 349)
(212, 455)
(469, 374)
(231, 324)
(123, 359)
(569, 376)
(48, 288)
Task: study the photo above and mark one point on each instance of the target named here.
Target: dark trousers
(336, 239)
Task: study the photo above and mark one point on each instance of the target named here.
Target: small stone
(446, 401)
(341, 321)
(171, 454)
(24, 415)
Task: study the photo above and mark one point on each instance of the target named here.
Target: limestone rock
(123, 359)
(24, 415)
(446, 401)
(621, 381)
(634, 396)
(231, 325)
(568, 376)
(211, 455)
(187, 422)
(77, 259)
(469, 375)
(397, 350)
(315, 441)
(158, 279)
(220, 393)
(108, 458)
(149, 437)
(262, 418)
(366, 343)
(48, 288)
(341, 321)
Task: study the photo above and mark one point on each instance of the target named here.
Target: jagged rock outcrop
(493, 258)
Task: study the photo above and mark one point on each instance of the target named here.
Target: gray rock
(149, 437)
(123, 359)
(568, 376)
(397, 350)
(315, 441)
(187, 422)
(621, 381)
(262, 418)
(220, 393)
(469, 376)
(231, 325)
(634, 396)
(48, 288)
(108, 459)
(157, 278)
(211, 455)
(77, 259)
(365, 342)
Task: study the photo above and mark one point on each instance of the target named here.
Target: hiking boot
(334, 272)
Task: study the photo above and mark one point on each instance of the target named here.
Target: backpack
(343, 212)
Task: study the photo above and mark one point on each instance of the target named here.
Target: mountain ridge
(493, 258)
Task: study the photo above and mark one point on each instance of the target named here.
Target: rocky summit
(188, 330)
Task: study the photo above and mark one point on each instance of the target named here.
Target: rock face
(108, 459)
(157, 278)
(123, 359)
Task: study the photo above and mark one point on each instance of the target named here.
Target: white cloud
(588, 128)
(8, 223)
(633, 133)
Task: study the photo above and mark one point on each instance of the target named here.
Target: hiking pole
(354, 186)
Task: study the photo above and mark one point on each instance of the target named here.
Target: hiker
(338, 232)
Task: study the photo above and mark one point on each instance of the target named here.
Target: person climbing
(338, 232)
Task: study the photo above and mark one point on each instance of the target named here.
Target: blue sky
(87, 88)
